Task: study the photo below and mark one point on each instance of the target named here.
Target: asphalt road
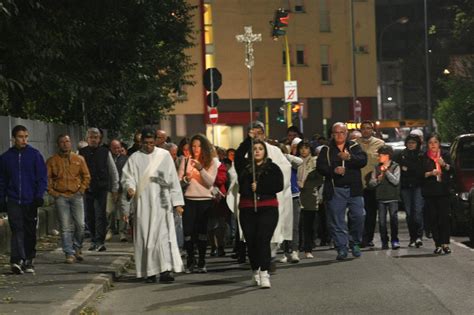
(405, 281)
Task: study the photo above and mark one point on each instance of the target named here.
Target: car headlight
(464, 196)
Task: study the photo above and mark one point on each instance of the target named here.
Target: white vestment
(155, 180)
(284, 229)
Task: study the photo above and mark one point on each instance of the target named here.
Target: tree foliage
(121, 61)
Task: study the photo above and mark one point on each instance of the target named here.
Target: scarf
(435, 157)
(309, 165)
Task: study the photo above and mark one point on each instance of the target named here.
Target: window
(300, 55)
(299, 6)
(325, 65)
(324, 21)
(284, 57)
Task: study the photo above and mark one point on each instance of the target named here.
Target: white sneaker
(265, 280)
(308, 255)
(256, 277)
(295, 257)
(284, 259)
(108, 236)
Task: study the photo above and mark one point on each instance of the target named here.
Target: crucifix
(248, 38)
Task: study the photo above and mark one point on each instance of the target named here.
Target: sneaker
(70, 259)
(189, 265)
(78, 255)
(151, 279)
(256, 277)
(28, 266)
(92, 247)
(341, 254)
(101, 248)
(284, 259)
(221, 252)
(395, 245)
(438, 251)
(166, 277)
(16, 269)
(412, 244)
(446, 249)
(265, 280)
(202, 269)
(356, 251)
(213, 252)
(295, 257)
(418, 243)
(308, 255)
(385, 246)
(123, 238)
(109, 235)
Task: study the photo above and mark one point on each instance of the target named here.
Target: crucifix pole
(248, 38)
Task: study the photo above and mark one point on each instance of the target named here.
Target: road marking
(462, 245)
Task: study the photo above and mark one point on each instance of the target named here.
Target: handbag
(184, 182)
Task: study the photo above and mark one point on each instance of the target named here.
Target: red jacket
(221, 179)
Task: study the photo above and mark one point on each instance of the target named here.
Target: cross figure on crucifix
(249, 38)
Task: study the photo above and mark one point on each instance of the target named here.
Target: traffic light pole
(289, 121)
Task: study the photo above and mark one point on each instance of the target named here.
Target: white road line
(462, 245)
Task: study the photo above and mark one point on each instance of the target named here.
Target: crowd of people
(177, 200)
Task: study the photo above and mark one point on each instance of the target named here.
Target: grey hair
(341, 124)
(93, 131)
(170, 146)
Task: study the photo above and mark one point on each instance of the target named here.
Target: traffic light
(295, 112)
(280, 22)
(281, 114)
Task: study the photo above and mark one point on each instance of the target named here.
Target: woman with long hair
(437, 170)
(200, 173)
(258, 204)
(183, 151)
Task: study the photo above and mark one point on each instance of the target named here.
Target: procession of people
(184, 203)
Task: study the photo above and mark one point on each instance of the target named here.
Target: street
(408, 281)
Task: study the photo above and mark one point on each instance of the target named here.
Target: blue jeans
(413, 202)
(336, 216)
(71, 221)
(392, 207)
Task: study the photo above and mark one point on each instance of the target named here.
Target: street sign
(212, 99)
(291, 91)
(213, 115)
(212, 79)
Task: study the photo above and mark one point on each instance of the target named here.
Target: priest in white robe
(151, 182)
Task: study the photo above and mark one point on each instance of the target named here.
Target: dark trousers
(258, 228)
(309, 218)
(370, 204)
(22, 220)
(322, 226)
(392, 209)
(439, 215)
(195, 218)
(96, 217)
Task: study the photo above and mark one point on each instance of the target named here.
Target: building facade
(320, 40)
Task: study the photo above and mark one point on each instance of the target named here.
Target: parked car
(462, 154)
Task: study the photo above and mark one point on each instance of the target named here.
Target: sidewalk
(59, 288)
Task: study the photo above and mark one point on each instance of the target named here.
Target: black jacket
(431, 187)
(411, 168)
(269, 176)
(328, 161)
(96, 159)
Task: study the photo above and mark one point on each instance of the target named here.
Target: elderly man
(369, 145)
(151, 182)
(340, 163)
(68, 179)
(104, 177)
(161, 137)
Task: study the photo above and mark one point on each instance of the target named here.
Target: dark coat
(411, 168)
(328, 161)
(431, 187)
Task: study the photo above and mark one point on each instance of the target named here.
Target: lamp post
(429, 114)
(402, 20)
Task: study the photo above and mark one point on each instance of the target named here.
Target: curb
(100, 284)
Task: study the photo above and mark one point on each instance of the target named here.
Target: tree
(120, 60)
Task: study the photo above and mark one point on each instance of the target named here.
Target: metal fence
(42, 135)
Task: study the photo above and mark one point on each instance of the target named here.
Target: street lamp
(402, 20)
